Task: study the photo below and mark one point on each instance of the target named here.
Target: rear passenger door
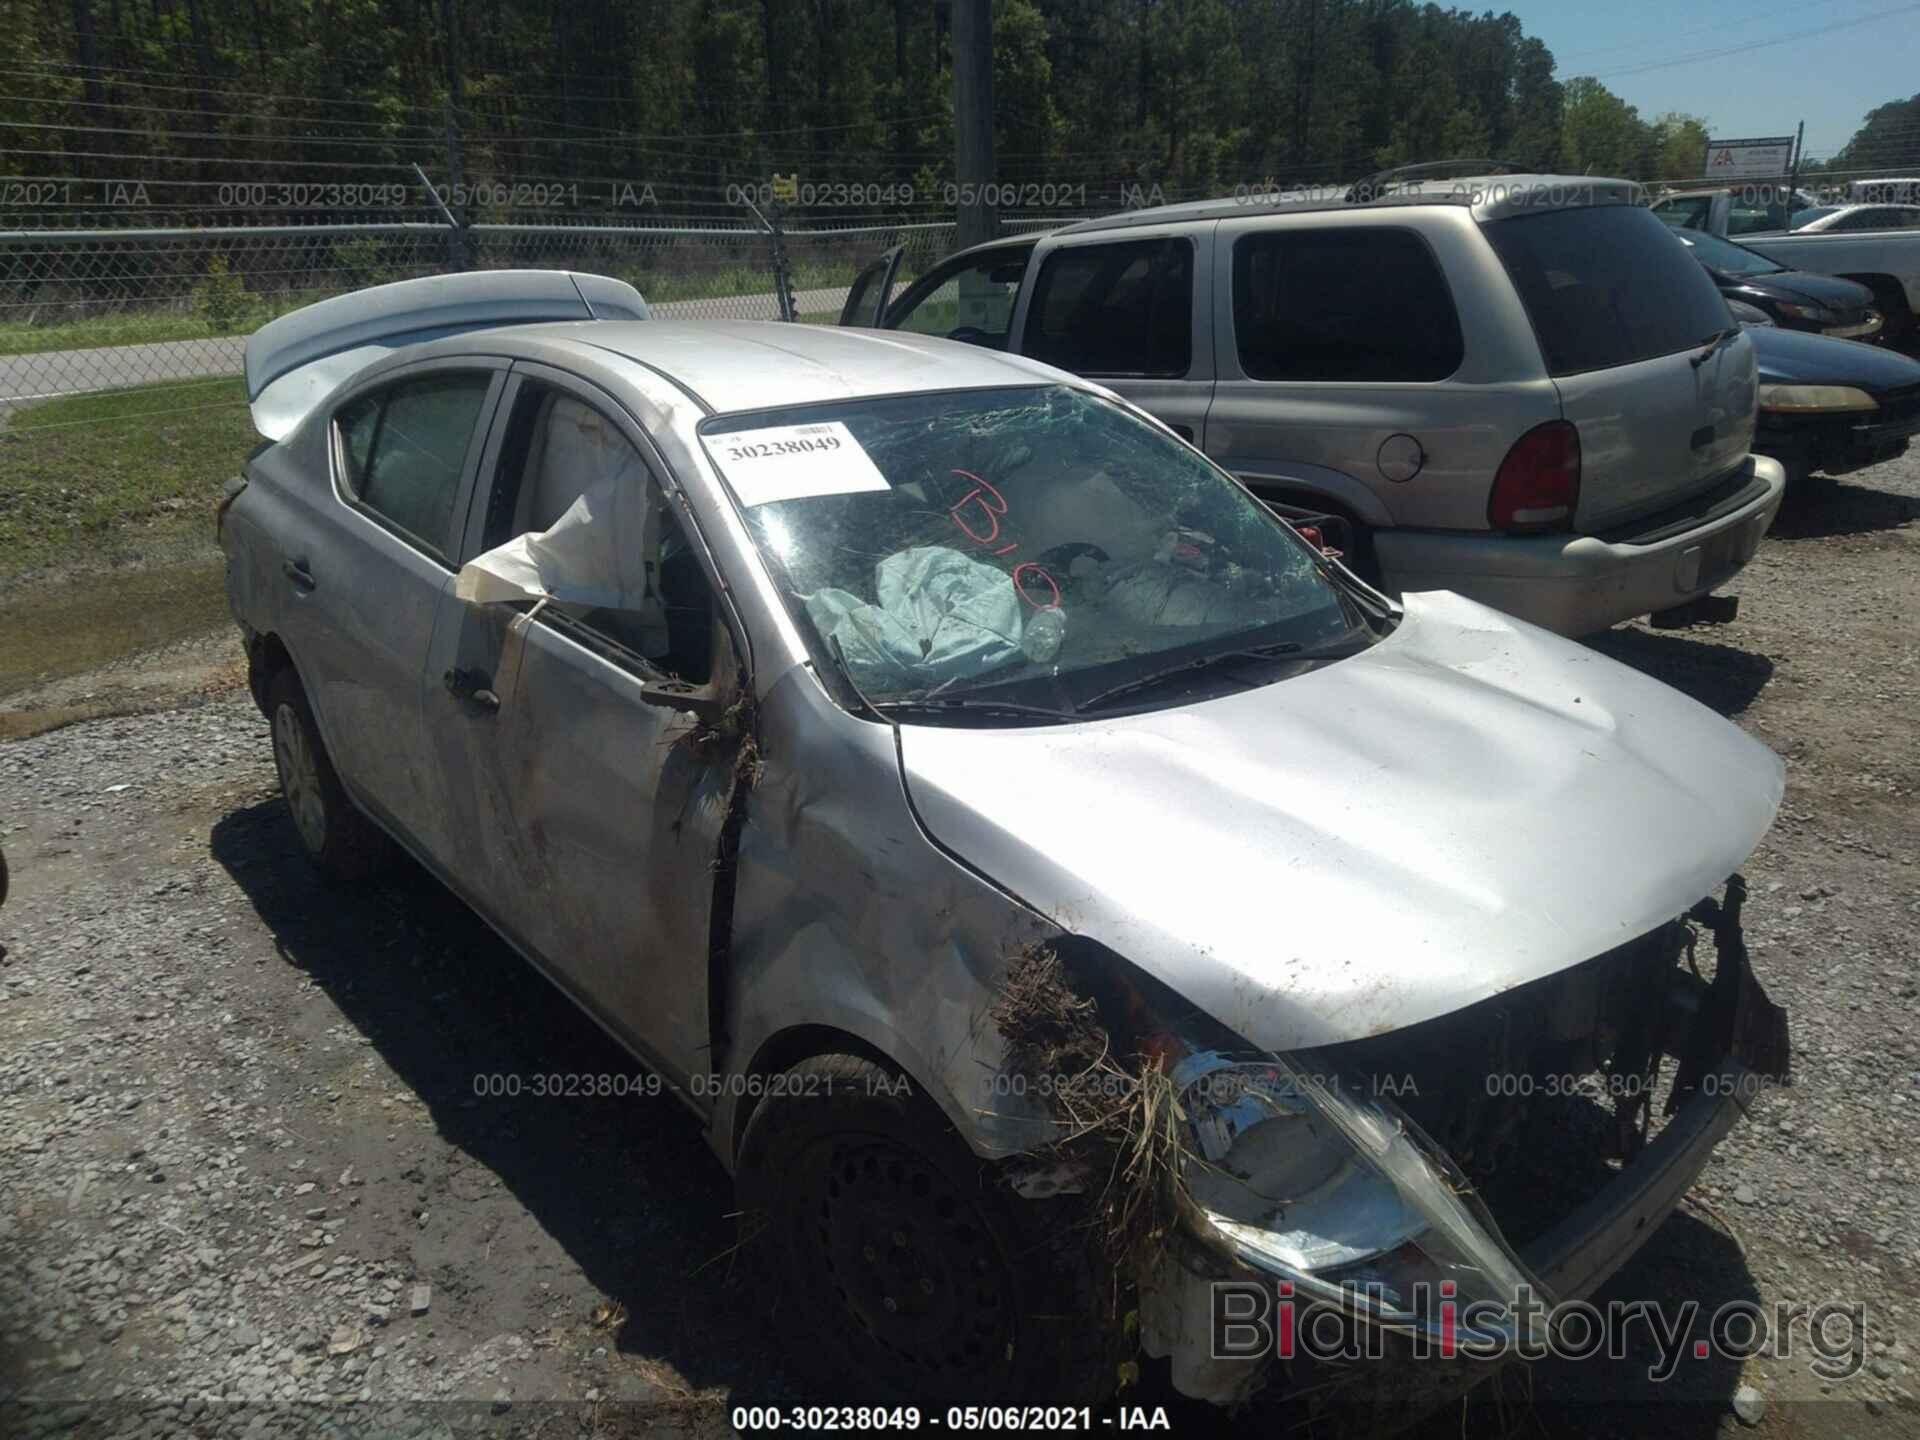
(366, 572)
(1132, 313)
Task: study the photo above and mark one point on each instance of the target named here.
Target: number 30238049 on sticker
(794, 462)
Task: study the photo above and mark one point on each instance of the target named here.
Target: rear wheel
(335, 835)
(907, 1270)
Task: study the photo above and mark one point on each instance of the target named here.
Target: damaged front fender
(846, 917)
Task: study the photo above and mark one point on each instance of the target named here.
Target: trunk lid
(294, 362)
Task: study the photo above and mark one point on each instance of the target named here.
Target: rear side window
(1122, 309)
(1606, 286)
(1358, 304)
(403, 450)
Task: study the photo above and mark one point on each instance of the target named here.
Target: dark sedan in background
(1792, 299)
(1830, 405)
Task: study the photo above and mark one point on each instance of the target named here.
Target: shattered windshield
(1038, 544)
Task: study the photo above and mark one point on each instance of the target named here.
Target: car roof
(742, 365)
(1489, 197)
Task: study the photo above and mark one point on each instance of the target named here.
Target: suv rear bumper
(1576, 584)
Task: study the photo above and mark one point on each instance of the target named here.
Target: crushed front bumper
(1728, 1041)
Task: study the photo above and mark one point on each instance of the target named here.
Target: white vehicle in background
(1886, 191)
(1887, 261)
(1822, 218)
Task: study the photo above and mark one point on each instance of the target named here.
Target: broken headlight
(1319, 1181)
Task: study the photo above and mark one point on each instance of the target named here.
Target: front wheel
(907, 1270)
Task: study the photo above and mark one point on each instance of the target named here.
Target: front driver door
(589, 819)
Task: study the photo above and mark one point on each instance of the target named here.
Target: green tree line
(688, 96)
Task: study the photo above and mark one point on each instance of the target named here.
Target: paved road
(71, 372)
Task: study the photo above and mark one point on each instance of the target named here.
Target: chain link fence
(91, 310)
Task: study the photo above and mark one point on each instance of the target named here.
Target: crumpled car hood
(1471, 804)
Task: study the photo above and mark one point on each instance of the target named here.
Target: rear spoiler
(296, 361)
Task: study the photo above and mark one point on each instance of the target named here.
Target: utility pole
(973, 119)
(1792, 202)
(456, 165)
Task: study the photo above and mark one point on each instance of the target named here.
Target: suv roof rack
(1371, 187)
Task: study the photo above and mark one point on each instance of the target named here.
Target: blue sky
(1829, 80)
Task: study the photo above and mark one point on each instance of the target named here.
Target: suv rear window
(1606, 286)
(1352, 304)
(1122, 309)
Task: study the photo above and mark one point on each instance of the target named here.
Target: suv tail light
(1538, 484)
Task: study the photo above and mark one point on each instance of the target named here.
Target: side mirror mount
(698, 700)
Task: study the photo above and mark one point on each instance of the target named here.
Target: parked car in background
(1747, 210)
(1793, 299)
(882, 737)
(1822, 218)
(1887, 262)
(1514, 387)
(1886, 190)
(1832, 406)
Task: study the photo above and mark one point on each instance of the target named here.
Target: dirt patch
(202, 665)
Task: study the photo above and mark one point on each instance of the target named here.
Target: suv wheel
(907, 1270)
(335, 835)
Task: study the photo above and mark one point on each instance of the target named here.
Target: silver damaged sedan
(1076, 909)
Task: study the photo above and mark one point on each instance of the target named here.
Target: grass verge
(113, 477)
(106, 524)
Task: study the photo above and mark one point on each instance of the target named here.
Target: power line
(1700, 56)
(1668, 37)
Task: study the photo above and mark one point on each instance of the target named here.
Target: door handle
(298, 573)
(471, 686)
(1185, 432)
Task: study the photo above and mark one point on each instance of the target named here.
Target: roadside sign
(1766, 159)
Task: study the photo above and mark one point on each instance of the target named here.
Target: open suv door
(866, 303)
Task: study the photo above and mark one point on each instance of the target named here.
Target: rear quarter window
(1349, 304)
(1606, 286)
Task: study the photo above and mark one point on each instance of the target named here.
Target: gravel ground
(247, 1181)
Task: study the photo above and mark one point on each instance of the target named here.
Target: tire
(907, 1272)
(335, 835)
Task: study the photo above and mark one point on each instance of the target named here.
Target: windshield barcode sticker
(793, 462)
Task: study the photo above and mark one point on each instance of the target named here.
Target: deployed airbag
(942, 616)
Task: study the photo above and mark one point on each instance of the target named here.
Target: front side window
(1037, 544)
(1606, 286)
(403, 450)
(972, 302)
(1351, 304)
(1121, 309)
(573, 499)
